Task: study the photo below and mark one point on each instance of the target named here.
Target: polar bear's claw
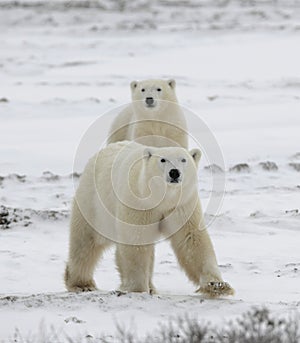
(82, 288)
(118, 293)
(216, 289)
(152, 291)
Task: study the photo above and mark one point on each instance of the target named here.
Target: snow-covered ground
(65, 63)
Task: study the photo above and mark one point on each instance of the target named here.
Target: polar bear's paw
(83, 287)
(215, 289)
(76, 284)
(124, 289)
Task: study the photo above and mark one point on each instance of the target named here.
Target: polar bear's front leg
(135, 265)
(195, 254)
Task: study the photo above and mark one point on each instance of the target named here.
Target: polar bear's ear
(172, 83)
(148, 153)
(196, 154)
(133, 85)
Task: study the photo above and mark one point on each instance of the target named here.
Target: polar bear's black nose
(149, 101)
(174, 174)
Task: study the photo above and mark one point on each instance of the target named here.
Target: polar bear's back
(100, 171)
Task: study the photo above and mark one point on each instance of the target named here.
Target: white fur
(126, 195)
(162, 124)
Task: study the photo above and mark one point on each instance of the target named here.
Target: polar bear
(153, 118)
(132, 195)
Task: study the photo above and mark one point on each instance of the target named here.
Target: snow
(61, 69)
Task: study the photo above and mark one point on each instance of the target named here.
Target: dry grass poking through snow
(254, 326)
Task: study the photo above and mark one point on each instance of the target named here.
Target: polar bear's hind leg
(85, 251)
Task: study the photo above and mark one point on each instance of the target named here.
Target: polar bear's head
(169, 175)
(152, 95)
(173, 166)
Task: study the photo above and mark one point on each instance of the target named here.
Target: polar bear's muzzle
(150, 102)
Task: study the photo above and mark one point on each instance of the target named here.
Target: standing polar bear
(133, 196)
(153, 118)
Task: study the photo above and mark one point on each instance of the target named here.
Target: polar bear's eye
(162, 160)
(183, 160)
(159, 89)
(143, 90)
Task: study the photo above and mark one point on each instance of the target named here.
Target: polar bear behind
(132, 196)
(153, 118)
